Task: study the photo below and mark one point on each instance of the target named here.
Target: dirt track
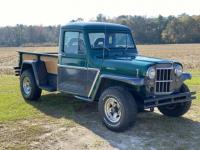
(84, 130)
(152, 131)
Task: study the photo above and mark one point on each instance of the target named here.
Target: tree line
(146, 30)
(22, 35)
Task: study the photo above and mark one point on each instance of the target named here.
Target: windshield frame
(113, 48)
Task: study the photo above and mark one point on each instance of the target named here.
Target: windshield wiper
(125, 49)
(108, 50)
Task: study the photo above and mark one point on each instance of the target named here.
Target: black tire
(141, 109)
(128, 108)
(35, 92)
(179, 109)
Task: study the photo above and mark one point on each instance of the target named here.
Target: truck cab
(100, 62)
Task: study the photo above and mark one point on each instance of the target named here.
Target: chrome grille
(163, 83)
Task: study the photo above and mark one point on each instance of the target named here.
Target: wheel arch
(107, 81)
(30, 65)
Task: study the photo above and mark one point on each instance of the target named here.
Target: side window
(97, 40)
(74, 43)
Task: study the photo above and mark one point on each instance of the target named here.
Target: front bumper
(169, 99)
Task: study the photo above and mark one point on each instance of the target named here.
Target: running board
(47, 88)
(83, 98)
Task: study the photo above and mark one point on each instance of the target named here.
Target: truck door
(72, 67)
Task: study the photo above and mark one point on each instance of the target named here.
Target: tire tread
(35, 91)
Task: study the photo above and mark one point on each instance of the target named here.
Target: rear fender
(37, 70)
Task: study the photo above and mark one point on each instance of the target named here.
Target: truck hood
(135, 66)
(151, 59)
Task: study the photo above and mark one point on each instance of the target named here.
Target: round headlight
(178, 70)
(151, 73)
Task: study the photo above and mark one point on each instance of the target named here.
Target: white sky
(53, 12)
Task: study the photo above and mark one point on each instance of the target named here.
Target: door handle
(61, 54)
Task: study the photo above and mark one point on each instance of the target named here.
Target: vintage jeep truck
(99, 62)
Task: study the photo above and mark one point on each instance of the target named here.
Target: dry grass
(9, 56)
(60, 122)
(188, 54)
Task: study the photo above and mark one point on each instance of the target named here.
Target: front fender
(129, 80)
(125, 79)
(186, 76)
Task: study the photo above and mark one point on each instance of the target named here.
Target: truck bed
(44, 66)
(50, 59)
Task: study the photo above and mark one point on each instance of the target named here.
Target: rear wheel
(117, 108)
(179, 109)
(28, 86)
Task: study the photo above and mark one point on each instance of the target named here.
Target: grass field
(58, 121)
(187, 54)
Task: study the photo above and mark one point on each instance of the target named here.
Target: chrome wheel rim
(112, 110)
(27, 86)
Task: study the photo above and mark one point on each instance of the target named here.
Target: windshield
(111, 40)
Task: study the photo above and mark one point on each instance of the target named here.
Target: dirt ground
(62, 123)
(84, 131)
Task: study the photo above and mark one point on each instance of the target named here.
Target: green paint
(114, 61)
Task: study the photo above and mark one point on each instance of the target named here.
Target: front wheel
(117, 108)
(28, 86)
(179, 109)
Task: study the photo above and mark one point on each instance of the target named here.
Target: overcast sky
(53, 12)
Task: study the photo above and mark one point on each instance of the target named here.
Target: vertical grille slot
(163, 80)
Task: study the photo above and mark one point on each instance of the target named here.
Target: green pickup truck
(100, 62)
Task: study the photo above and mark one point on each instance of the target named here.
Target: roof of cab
(95, 26)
